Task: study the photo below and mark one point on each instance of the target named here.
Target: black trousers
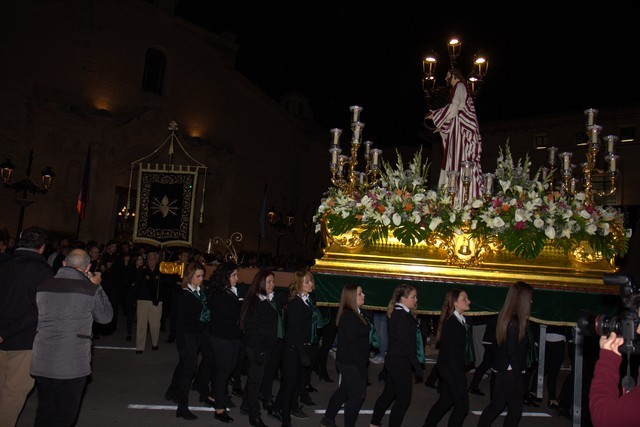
(554, 356)
(255, 374)
(58, 401)
(272, 365)
(351, 393)
(453, 395)
(188, 346)
(508, 390)
(225, 355)
(290, 383)
(398, 386)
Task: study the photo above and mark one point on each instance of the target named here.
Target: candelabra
(569, 184)
(343, 168)
(436, 95)
(281, 223)
(25, 185)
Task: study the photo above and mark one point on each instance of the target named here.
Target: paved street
(128, 389)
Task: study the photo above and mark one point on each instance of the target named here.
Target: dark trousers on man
(58, 401)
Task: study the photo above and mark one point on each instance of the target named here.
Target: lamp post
(25, 185)
(281, 223)
(437, 96)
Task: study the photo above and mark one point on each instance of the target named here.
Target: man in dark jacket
(67, 304)
(19, 277)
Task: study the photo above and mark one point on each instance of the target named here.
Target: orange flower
(381, 208)
(505, 207)
(408, 207)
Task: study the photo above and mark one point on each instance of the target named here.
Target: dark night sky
(342, 53)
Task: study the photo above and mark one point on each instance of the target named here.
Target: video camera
(624, 324)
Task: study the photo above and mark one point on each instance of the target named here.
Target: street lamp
(281, 222)
(25, 185)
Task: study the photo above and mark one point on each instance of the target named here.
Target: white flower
(497, 222)
(477, 203)
(584, 214)
(385, 220)
(580, 196)
(434, 223)
(397, 219)
(591, 229)
(550, 232)
(538, 223)
(415, 217)
(474, 224)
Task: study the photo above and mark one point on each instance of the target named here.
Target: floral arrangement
(522, 217)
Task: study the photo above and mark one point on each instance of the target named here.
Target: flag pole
(263, 215)
(83, 195)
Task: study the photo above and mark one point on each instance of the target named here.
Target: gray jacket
(67, 306)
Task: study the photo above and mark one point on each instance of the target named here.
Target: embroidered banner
(165, 205)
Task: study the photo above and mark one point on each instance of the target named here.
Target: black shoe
(154, 348)
(299, 413)
(530, 403)
(185, 413)
(311, 389)
(208, 400)
(139, 351)
(476, 391)
(223, 416)
(307, 401)
(275, 413)
(535, 398)
(170, 340)
(257, 422)
(237, 392)
(327, 422)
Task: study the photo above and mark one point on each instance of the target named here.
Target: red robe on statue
(458, 127)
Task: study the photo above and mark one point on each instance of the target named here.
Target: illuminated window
(627, 134)
(153, 72)
(540, 142)
(581, 139)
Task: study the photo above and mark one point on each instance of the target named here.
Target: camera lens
(604, 324)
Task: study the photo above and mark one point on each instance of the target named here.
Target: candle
(357, 128)
(612, 163)
(611, 140)
(367, 148)
(355, 109)
(572, 185)
(375, 157)
(336, 136)
(488, 183)
(334, 154)
(595, 132)
(591, 116)
(552, 155)
(567, 161)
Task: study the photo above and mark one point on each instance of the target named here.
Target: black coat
(512, 352)
(19, 278)
(261, 326)
(353, 341)
(225, 314)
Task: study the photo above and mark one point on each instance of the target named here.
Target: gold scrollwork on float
(462, 250)
(585, 254)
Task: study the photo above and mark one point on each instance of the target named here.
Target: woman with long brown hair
(453, 336)
(261, 321)
(511, 357)
(402, 356)
(352, 356)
